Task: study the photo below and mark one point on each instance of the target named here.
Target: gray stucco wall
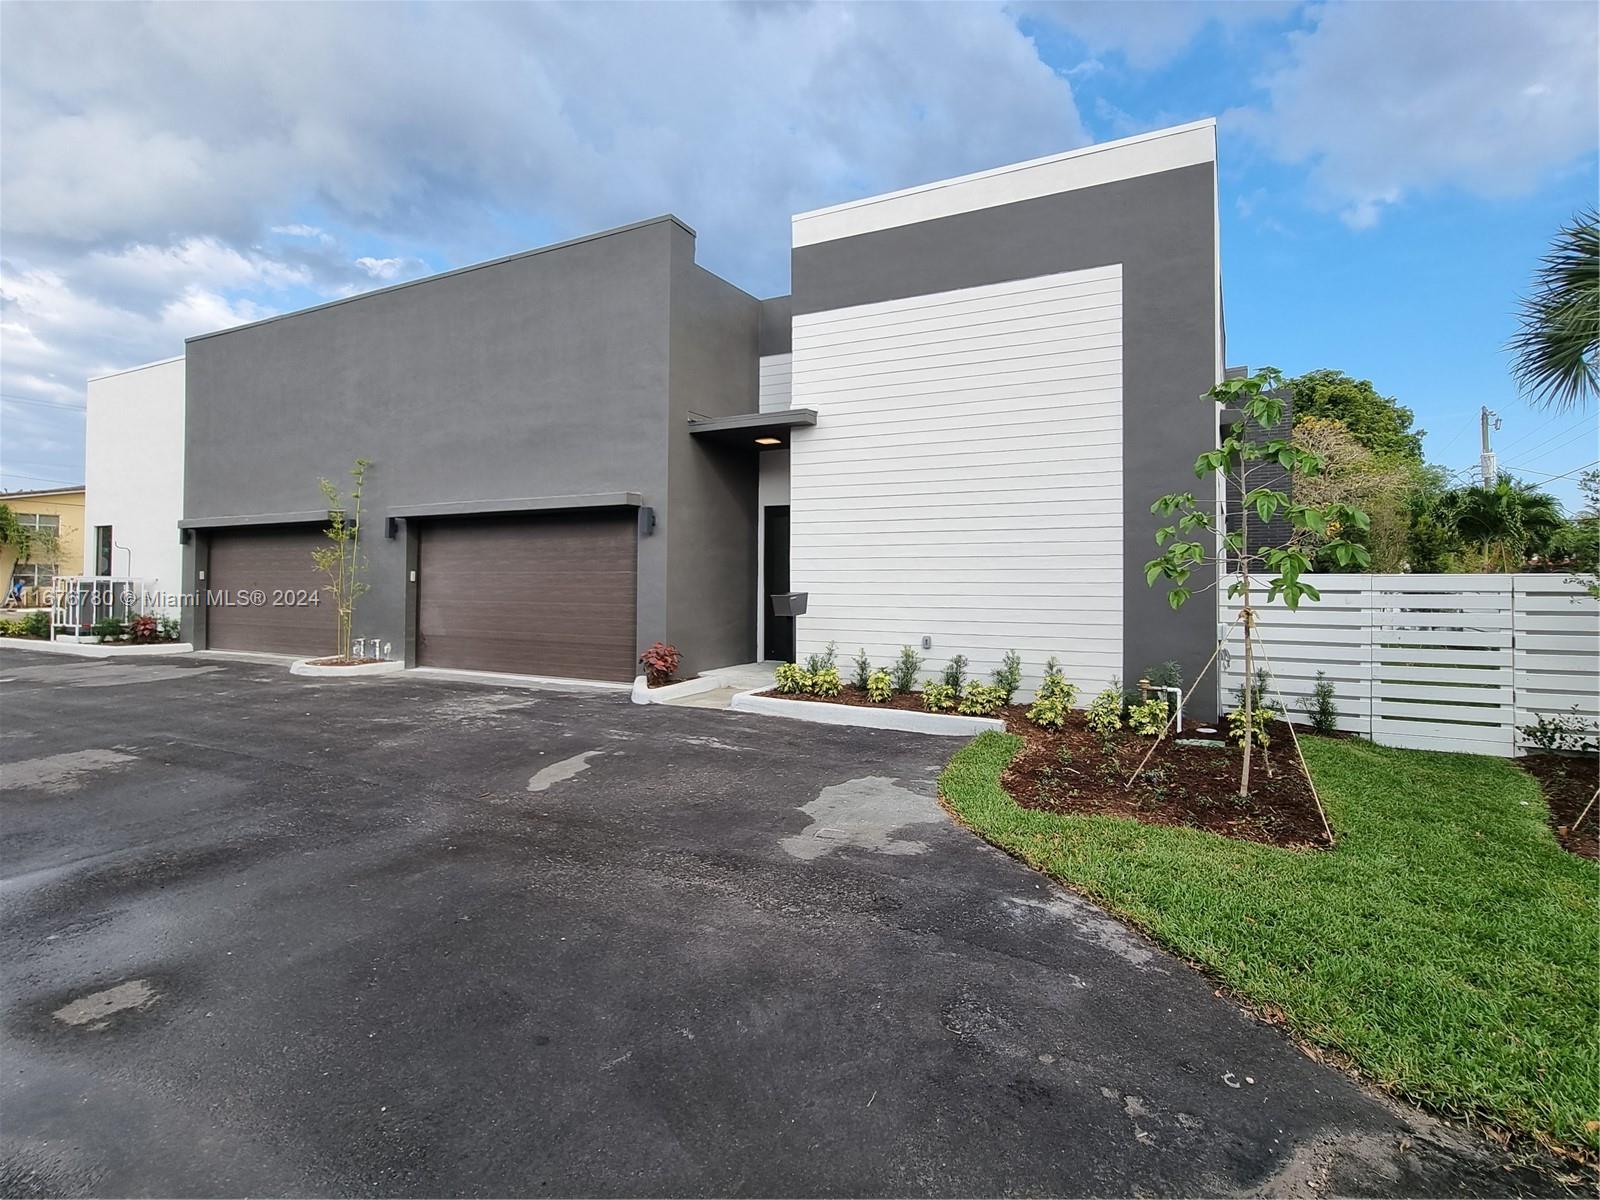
(777, 325)
(711, 496)
(1161, 228)
(544, 374)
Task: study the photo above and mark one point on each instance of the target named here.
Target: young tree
(342, 562)
(1247, 447)
(1555, 354)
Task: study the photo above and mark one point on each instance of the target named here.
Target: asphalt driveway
(268, 935)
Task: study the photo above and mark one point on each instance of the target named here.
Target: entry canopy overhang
(758, 431)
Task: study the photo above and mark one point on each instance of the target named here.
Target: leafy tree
(1352, 474)
(1380, 423)
(1555, 354)
(1505, 523)
(1247, 448)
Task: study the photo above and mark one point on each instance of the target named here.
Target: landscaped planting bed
(1076, 770)
(1568, 782)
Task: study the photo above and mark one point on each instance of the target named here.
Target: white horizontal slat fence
(1430, 662)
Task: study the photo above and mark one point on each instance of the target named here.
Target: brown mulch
(1194, 786)
(342, 662)
(1568, 781)
(1075, 770)
(851, 694)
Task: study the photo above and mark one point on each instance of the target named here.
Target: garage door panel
(552, 595)
(268, 562)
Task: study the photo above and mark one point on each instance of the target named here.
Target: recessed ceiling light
(769, 441)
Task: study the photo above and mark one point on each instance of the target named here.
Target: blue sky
(1390, 173)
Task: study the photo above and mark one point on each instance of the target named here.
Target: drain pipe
(1146, 687)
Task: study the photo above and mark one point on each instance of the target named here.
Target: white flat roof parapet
(160, 362)
(1089, 166)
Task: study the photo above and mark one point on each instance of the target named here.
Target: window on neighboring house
(102, 549)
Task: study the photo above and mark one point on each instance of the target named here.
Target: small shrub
(1259, 718)
(1320, 709)
(955, 673)
(792, 679)
(824, 682)
(1168, 675)
(938, 697)
(10, 628)
(36, 625)
(143, 629)
(1008, 675)
(880, 687)
(981, 700)
(1104, 714)
(1054, 699)
(824, 661)
(660, 662)
(167, 629)
(109, 629)
(1149, 717)
(906, 669)
(863, 667)
(1553, 733)
(1258, 691)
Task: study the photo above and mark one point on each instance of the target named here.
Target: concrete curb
(902, 719)
(305, 666)
(643, 693)
(96, 649)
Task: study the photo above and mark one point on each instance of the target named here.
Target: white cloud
(161, 161)
(1381, 101)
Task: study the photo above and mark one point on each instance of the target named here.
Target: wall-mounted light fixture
(769, 441)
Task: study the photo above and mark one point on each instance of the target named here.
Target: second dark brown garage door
(551, 595)
(266, 594)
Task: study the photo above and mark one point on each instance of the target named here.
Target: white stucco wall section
(133, 471)
(773, 390)
(964, 478)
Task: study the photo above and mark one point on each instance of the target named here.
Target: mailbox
(789, 604)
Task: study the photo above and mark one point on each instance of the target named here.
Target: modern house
(133, 473)
(948, 436)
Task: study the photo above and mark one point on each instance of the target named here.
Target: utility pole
(1487, 419)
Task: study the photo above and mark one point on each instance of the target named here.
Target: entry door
(775, 570)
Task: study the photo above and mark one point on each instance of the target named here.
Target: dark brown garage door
(265, 577)
(550, 595)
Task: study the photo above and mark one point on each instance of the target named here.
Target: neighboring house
(133, 473)
(54, 519)
(949, 434)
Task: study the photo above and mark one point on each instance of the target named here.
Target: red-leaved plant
(659, 662)
(143, 628)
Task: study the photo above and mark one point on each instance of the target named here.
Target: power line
(1567, 475)
(13, 399)
(40, 478)
(1516, 442)
(1530, 451)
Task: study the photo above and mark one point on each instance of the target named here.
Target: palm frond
(1556, 350)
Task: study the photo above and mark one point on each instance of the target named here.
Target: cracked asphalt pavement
(267, 935)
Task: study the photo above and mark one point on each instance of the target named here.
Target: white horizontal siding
(772, 391)
(964, 478)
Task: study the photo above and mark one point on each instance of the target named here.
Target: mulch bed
(850, 694)
(1074, 770)
(341, 662)
(1568, 781)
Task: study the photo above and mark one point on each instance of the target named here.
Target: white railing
(81, 601)
(1432, 662)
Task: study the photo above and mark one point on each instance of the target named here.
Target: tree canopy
(1380, 423)
(1556, 350)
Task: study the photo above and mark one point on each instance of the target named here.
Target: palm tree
(1556, 353)
(1505, 521)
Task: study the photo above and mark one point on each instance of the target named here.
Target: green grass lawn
(1447, 945)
